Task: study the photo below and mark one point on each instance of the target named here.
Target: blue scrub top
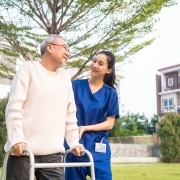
(93, 108)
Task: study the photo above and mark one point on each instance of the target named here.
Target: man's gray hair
(50, 39)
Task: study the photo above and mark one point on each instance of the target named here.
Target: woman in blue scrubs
(97, 108)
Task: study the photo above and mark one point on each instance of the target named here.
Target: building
(168, 90)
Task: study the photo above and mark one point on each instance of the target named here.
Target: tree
(169, 133)
(121, 26)
(130, 125)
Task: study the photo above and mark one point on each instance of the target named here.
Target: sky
(138, 90)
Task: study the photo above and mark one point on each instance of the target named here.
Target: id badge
(100, 147)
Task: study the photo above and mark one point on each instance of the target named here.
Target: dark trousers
(18, 168)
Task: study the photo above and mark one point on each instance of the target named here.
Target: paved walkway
(135, 159)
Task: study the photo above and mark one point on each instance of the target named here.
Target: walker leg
(90, 159)
(4, 168)
(31, 171)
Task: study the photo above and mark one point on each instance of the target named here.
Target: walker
(34, 165)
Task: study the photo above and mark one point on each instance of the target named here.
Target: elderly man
(41, 112)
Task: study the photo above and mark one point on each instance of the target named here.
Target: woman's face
(99, 66)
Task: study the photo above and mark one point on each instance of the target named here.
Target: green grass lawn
(145, 171)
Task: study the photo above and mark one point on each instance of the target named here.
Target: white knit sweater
(41, 110)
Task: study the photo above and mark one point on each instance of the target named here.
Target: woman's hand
(103, 126)
(82, 129)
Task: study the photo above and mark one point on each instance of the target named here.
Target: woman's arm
(105, 125)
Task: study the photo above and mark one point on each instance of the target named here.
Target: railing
(168, 110)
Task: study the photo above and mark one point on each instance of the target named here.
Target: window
(168, 103)
(170, 82)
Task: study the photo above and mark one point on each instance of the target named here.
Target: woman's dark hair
(110, 79)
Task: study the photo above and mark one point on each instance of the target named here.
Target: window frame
(170, 82)
(168, 103)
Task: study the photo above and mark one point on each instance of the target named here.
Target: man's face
(59, 52)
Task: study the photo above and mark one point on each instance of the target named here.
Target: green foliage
(154, 119)
(169, 133)
(77, 63)
(130, 125)
(123, 27)
(3, 104)
(2, 129)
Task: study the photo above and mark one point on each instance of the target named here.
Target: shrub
(2, 129)
(169, 134)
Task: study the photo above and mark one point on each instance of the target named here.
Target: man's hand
(18, 149)
(78, 150)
